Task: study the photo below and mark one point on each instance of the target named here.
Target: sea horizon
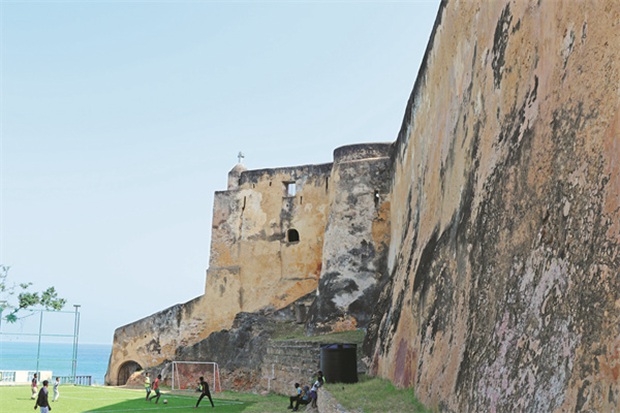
(92, 359)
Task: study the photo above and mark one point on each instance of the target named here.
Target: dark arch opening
(126, 370)
(292, 235)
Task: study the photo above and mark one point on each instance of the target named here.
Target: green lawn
(372, 394)
(78, 399)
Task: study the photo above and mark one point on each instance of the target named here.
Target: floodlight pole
(39, 345)
(76, 332)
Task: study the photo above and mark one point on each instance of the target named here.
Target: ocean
(92, 359)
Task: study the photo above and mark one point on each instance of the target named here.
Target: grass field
(373, 394)
(78, 399)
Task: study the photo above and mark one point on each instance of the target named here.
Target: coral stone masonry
(480, 250)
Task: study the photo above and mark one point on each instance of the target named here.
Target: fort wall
(504, 290)
(484, 244)
(357, 237)
(267, 252)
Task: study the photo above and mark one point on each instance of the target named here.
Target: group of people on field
(203, 388)
(306, 395)
(302, 396)
(41, 396)
(153, 388)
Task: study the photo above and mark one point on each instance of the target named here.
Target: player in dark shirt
(204, 387)
(42, 400)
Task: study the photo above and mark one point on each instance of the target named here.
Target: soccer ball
(165, 401)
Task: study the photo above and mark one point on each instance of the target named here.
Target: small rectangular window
(291, 188)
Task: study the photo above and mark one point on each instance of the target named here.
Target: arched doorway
(126, 370)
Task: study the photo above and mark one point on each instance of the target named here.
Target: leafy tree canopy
(18, 297)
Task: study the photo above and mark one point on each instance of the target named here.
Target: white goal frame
(215, 386)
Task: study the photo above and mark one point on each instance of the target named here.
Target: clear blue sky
(119, 120)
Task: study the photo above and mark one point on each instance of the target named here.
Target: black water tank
(339, 363)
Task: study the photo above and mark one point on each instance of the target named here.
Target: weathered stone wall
(152, 340)
(485, 240)
(254, 265)
(356, 239)
(239, 351)
(289, 362)
(294, 361)
(504, 255)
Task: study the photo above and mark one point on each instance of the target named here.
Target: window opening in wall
(291, 188)
(377, 198)
(269, 183)
(326, 184)
(243, 207)
(301, 200)
(292, 235)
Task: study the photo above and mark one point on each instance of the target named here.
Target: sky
(120, 119)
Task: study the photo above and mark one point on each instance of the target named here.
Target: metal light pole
(39, 344)
(76, 332)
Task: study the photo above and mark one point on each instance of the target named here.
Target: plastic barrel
(339, 363)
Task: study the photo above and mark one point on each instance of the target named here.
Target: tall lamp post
(76, 332)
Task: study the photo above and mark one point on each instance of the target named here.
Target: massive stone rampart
(356, 239)
(485, 240)
(268, 250)
(504, 292)
(151, 340)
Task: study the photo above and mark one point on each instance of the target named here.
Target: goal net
(186, 374)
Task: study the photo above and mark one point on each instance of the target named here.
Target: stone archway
(126, 370)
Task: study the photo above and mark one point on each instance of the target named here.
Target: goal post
(185, 375)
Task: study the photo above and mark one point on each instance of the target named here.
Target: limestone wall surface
(356, 239)
(504, 257)
(153, 339)
(255, 262)
(480, 250)
(289, 362)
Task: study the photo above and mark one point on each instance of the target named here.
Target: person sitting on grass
(303, 399)
(295, 396)
(42, 399)
(156, 389)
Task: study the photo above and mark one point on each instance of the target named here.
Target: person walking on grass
(42, 400)
(156, 389)
(147, 385)
(56, 392)
(33, 387)
(204, 388)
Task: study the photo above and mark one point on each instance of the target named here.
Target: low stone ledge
(327, 403)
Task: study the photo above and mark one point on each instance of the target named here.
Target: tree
(47, 299)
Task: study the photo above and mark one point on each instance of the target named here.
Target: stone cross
(240, 156)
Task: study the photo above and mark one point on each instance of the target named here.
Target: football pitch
(96, 399)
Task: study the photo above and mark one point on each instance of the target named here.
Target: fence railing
(7, 376)
(10, 376)
(79, 380)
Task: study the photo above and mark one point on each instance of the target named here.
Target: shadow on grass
(173, 403)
